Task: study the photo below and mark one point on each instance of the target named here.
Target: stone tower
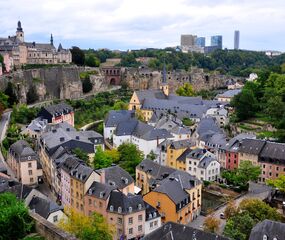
(20, 32)
(164, 85)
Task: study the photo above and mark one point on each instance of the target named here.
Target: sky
(134, 24)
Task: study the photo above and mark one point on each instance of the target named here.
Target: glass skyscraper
(217, 41)
(200, 41)
(236, 40)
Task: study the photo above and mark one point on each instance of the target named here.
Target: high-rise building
(217, 41)
(188, 40)
(200, 42)
(236, 40)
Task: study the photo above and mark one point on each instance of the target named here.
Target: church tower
(51, 40)
(20, 32)
(164, 86)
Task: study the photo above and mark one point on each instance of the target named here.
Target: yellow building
(177, 197)
(81, 180)
(176, 154)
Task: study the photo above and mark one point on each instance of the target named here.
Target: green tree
(78, 152)
(78, 56)
(32, 95)
(120, 105)
(211, 224)
(102, 159)
(130, 157)
(86, 227)
(245, 104)
(277, 183)
(248, 171)
(186, 90)
(151, 155)
(87, 85)
(3, 102)
(9, 91)
(15, 221)
(91, 60)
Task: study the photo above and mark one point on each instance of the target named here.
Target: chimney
(61, 139)
(157, 141)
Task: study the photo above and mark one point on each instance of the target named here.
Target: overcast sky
(133, 24)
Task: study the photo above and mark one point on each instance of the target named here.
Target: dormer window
(130, 209)
(119, 209)
(111, 208)
(139, 206)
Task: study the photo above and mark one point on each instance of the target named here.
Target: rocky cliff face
(138, 79)
(62, 82)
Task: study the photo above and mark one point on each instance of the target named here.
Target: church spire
(19, 28)
(51, 39)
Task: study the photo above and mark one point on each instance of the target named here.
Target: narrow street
(256, 190)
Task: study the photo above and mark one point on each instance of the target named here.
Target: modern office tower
(236, 40)
(201, 42)
(217, 41)
(188, 40)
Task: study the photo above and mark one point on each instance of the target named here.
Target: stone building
(31, 52)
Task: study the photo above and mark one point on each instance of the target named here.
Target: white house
(203, 165)
(220, 114)
(152, 219)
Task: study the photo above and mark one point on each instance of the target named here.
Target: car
(222, 216)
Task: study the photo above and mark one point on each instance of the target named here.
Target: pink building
(8, 63)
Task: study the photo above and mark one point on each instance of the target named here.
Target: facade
(228, 95)
(25, 163)
(217, 41)
(200, 42)
(31, 52)
(187, 40)
(236, 40)
(177, 197)
(58, 113)
(127, 214)
(36, 128)
(152, 219)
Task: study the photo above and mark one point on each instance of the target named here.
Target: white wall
(149, 229)
(118, 140)
(108, 132)
(60, 215)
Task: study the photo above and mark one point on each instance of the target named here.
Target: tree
(15, 221)
(139, 115)
(130, 157)
(277, 183)
(101, 159)
(211, 224)
(32, 95)
(248, 171)
(78, 56)
(185, 90)
(81, 155)
(9, 91)
(151, 155)
(86, 227)
(239, 226)
(245, 104)
(120, 105)
(3, 102)
(87, 85)
(91, 60)
(230, 210)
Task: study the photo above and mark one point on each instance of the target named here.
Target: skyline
(132, 24)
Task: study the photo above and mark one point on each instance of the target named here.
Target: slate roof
(113, 117)
(233, 143)
(40, 46)
(155, 170)
(81, 172)
(271, 229)
(22, 151)
(251, 146)
(197, 153)
(205, 162)
(117, 177)
(273, 152)
(175, 231)
(38, 125)
(55, 110)
(183, 156)
(181, 144)
(150, 212)
(70, 163)
(8, 185)
(44, 207)
(207, 125)
(147, 94)
(229, 93)
(100, 190)
(128, 203)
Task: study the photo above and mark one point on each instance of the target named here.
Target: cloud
(146, 23)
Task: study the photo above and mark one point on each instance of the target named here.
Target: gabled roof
(251, 146)
(58, 109)
(229, 93)
(81, 172)
(100, 190)
(197, 153)
(23, 151)
(269, 230)
(183, 156)
(181, 144)
(150, 212)
(44, 207)
(113, 117)
(175, 231)
(273, 152)
(147, 94)
(206, 125)
(125, 204)
(205, 162)
(70, 163)
(116, 176)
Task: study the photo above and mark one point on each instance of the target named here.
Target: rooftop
(23, 151)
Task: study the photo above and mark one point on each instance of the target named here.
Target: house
(177, 197)
(227, 96)
(81, 179)
(35, 128)
(112, 120)
(97, 197)
(175, 231)
(152, 219)
(174, 154)
(48, 209)
(144, 136)
(118, 178)
(149, 173)
(127, 214)
(202, 164)
(220, 114)
(58, 113)
(161, 152)
(268, 230)
(25, 163)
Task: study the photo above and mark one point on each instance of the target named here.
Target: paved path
(259, 191)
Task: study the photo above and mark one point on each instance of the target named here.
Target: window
(100, 204)
(140, 217)
(31, 180)
(29, 164)
(151, 225)
(120, 220)
(30, 172)
(55, 218)
(130, 220)
(95, 203)
(130, 231)
(90, 201)
(140, 228)
(155, 223)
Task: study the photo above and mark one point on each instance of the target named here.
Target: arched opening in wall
(113, 81)
(134, 107)
(207, 78)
